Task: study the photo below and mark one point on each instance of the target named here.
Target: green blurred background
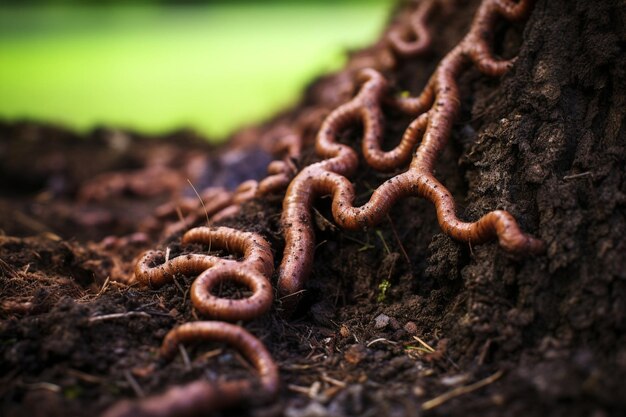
(155, 66)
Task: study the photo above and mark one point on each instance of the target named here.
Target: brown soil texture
(546, 142)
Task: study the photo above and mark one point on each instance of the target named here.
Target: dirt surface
(542, 336)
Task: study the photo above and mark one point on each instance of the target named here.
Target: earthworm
(436, 109)
(312, 180)
(188, 211)
(186, 204)
(397, 37)
(245, 191)
(233, 200)
(289, 141)
(288, 146)
(217, 203)
(398, 41)
(229, 211)
(200, 397)
(253, 271)
(280, 172)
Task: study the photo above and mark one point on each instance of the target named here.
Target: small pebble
(454, 380)
(313, 409)
(410, 327)
(419, 391)
(381, 321)
(394, 323)
(355, 354)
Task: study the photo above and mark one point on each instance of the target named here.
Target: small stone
(381, 321)
(395, 325)
(454, 380)
(419, 391)
(410, 327)
(143, 371)
(498, 399)
(355, 354)
(313, 409)
(535, 174)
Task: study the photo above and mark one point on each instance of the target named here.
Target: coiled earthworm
(253, 271)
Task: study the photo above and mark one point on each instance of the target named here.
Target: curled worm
(199, 397)
(252, 271)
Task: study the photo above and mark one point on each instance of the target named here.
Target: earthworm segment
(201, 397)
(435, 111)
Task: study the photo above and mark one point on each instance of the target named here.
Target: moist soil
(393, 316)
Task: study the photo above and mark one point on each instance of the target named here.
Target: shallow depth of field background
(156, 66)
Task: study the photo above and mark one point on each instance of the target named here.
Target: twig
(381, 339)
(181, 218)
(333, 381)
(380, 235)
(180, 288)
(210, 354)
(134, 384)
(167, 253)
(92, 379)
(426, 345)
(48, 386)
(296, 367)
(206, 212)
(114, 316)
(395, 234)
(574, 176)
(299, 389)
(104, 287)
(185, 356)
(292, 294)
(8, 269)
(437, 401)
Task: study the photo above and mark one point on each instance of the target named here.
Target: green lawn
(211, 68)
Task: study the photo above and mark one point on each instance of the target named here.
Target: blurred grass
(212, 68)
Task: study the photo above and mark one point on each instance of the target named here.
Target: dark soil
(546, 142)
